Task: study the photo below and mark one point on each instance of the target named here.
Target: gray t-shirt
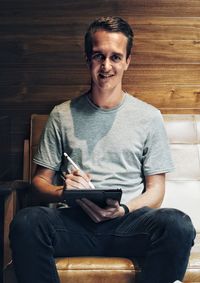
(117, 146)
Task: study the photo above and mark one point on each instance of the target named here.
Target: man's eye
(98, 57)
(116, 58)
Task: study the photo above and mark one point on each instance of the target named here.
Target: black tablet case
(97, 196)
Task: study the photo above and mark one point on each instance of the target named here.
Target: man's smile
(105, 76)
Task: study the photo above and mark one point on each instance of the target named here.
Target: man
(118, 141)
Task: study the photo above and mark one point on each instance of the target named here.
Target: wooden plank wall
(42, 61)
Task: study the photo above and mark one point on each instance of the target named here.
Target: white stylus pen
(76, 167)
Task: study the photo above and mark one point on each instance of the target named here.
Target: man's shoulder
(142, 107)
(62, 107)
(68, 104)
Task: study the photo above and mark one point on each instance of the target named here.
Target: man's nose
(106, 65)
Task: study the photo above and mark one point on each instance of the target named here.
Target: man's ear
(128, 60)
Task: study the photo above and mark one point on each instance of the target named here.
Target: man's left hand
(99, 214)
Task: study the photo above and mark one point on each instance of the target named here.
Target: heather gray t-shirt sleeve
(156, 156)
(49, 152)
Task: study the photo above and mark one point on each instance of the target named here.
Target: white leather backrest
(183, 185)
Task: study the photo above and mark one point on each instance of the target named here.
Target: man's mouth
(105, 76)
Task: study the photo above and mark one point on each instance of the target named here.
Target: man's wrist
(125, 207)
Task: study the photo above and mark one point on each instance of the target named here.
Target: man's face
(108, 61)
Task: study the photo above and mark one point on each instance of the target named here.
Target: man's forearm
(46, 191)
(153, 195)
(146, 199)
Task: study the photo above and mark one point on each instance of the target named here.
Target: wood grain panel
(102, 7)
(81, 22)
(170, 96)
(167, 52)
(160, 8)
(163, 74)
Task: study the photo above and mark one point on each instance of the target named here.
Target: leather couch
(182, 192)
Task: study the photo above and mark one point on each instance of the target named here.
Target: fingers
(94, 215)
(98, 214)
(77, 180)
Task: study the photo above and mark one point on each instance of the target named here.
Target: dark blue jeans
(163, 237)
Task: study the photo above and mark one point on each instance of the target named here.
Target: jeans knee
(25, 222)
(178, 225)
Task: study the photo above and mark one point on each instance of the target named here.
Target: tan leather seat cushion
(92, 270)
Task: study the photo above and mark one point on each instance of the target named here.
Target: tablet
(97, 196)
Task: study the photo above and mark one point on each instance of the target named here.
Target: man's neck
(106, 99)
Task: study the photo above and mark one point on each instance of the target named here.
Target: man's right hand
(77, 180)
